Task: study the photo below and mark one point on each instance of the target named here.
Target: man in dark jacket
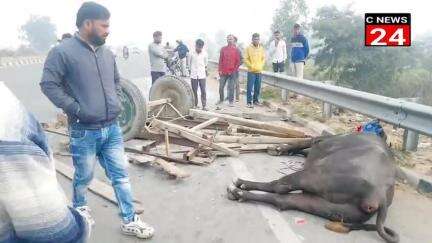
(299, 51)
(182, 52)
(80, 76)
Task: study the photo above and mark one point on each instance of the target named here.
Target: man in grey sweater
(80, 76)
(158, 55)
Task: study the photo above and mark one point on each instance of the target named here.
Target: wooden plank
(219, 125)
(192, 135)
(249, 130)
(167, 145)
(96, 186)
(140, 158)
(153, 103)
(171, 169)
(139, 144)
(61, 132)
(258, 140)
(174, 139)
(245, 122)
(204, 124)
(176, 160)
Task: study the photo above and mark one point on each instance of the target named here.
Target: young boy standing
(198, 72)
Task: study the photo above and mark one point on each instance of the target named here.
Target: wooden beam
(176, 160)
(245, 122)
(56, 131)
(96, 186)
(249, 130)
(258, 140)
(160, 138)
(167, 145)
(193, 122)
(192, 135)
(140, 144)
(139, 158)
(171, 169)
(153, 103)
(204, 124)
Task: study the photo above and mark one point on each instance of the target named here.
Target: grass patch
(270, 93)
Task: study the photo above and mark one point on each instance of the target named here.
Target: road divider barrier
(6, 62)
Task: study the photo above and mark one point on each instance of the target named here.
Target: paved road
(196, 209)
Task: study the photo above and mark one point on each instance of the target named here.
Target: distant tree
(209, 45)
(6, 52)
(342, 56)
(220, 38)
(39, 33)
(24, 50)
(289, 13)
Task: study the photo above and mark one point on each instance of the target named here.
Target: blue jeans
(230, 79)
(105, 144)
(253, 82)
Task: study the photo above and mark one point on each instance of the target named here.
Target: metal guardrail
(401, 113)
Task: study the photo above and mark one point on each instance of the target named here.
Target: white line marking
(279, 226)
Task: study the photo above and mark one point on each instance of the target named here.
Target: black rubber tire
(180, 92)
(133, 117)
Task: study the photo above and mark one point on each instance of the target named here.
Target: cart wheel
(180, 92)
(133, 116)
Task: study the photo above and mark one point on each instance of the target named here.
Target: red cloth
(229, 60)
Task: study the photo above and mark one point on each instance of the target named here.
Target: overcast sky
(133, 21)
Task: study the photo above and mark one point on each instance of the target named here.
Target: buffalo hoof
(233, 193)
(239, 183)
(337, 227)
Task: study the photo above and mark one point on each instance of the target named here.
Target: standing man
(198, 72)
(158, 56)
(255, 61)
(299, 51)
(81, 77)
(229, 63)
(182, 52)
(278, 55)
(65, 36)
(278, 52)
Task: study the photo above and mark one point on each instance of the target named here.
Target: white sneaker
(138, 228)
(85, 211)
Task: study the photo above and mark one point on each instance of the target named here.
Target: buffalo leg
(284, 185)
(305, 202)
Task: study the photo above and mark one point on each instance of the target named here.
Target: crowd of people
(231, 57)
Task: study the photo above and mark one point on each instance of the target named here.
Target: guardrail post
(410, 137)
(284, 95)
(410, 140)
(327, 108)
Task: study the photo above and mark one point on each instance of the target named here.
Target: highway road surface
(196, 210)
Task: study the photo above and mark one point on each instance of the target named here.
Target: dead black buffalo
(346, 178)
